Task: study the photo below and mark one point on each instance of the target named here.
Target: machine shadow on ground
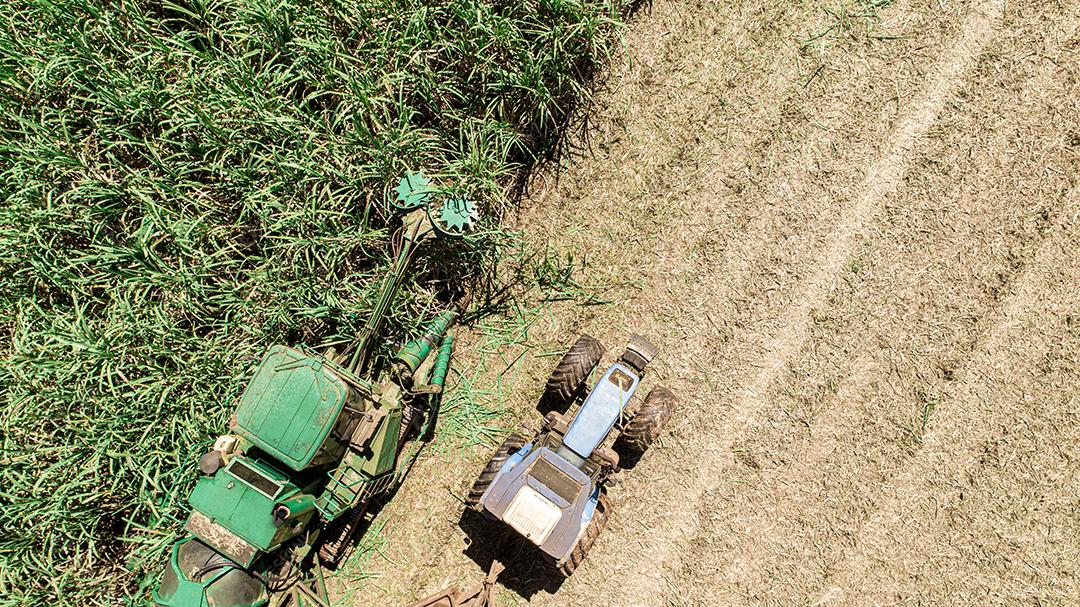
(376, 506)
(526, 571)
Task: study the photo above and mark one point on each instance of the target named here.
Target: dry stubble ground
(859, 256)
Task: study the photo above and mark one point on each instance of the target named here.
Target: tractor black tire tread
(569, 376)
(644, 428)
(588, 538)
(335, 541)
(513, 443)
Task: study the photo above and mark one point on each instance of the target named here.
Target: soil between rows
(853, 235)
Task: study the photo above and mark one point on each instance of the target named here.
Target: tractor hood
(544, 498)
(291, 405)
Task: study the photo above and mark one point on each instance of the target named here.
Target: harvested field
(853, 230)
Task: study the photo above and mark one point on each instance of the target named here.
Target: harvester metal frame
(315, 439)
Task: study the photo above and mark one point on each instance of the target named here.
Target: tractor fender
(589, 510)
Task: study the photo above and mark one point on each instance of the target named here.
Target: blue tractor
(552, 488)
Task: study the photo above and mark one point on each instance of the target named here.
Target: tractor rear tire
(511, 445)
(568, 378)
(643, 429)
(588, 538)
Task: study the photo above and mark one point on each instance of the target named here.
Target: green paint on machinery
(449, 216)
(458, 214)
(316, 437)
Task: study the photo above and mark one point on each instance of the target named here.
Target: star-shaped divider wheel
(459, 214)
(412, 190)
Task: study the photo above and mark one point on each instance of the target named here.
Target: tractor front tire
(643, 429)
(511, 445)
(588, 538)
(568, 378)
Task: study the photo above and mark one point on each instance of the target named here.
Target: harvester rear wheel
(588, 538)
(511, 445)
(643, 429)
(568, 378)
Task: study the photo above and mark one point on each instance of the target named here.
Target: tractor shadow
(526, 571)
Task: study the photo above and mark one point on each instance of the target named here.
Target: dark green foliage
(185, 183)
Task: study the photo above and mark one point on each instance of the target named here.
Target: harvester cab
(552, 487)
(314, 440)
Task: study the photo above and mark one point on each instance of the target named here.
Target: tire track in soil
(783, 243)
(696, 212)
(783, 523)
(998, 421)
(644, 583)
(760, 35)
(781, 238)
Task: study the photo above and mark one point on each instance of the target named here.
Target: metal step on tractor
(317, 437)
(551, 488)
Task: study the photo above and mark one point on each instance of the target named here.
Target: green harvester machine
(316, 438)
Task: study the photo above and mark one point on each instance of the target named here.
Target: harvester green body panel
(290, 407)
(241, 498)
(361, 475)
(382, 450)
(313, 438)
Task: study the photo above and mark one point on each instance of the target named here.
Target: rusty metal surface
(477, 596)
(558, 481)
(221, 539)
